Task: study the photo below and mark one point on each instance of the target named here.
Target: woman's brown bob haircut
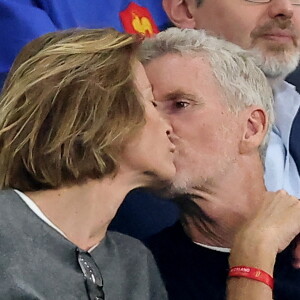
(68, 106)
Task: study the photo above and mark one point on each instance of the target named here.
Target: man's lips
(282, 36)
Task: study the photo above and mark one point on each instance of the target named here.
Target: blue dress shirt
(281, 170)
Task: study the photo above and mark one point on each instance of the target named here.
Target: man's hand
(270, 230)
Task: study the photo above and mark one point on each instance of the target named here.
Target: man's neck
(228, 202)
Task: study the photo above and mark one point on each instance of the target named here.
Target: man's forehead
(179, 72)
(189, 64)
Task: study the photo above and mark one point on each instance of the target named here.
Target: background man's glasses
(92, 275)
(294, 2)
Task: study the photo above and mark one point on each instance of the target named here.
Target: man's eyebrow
(178, 94)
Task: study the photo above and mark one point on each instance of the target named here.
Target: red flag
(138, 19)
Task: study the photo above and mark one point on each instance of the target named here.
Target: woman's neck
(83, 212)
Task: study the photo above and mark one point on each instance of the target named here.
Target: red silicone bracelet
(252, 273)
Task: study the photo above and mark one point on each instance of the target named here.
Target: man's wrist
(253, 254)
(252, 274)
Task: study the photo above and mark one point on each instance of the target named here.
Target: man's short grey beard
(184, 185)
(274, 66)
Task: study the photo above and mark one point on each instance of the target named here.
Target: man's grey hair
(243, 83)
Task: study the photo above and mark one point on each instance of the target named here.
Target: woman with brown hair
(78, 131)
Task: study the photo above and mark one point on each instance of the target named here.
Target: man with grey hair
(220, 106)
(271, 29)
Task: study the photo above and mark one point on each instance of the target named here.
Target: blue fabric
(23, 21)
(295, 140)
(280, 166)
(142, 214)
(294, 79)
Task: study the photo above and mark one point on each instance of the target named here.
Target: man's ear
(254, 129)
(180, 12)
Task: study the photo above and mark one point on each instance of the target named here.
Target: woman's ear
(254, 129)
(180, 12)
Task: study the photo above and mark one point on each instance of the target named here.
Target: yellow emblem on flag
(138, 19)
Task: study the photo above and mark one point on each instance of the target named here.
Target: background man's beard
(276, 66)
(276, 61)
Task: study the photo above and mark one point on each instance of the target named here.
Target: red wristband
(252, 273)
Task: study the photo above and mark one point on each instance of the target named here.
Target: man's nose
(281, 9)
